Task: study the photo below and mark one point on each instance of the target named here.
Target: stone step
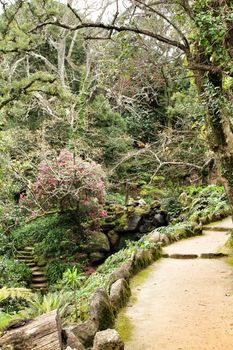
(213, 255)
(35, 268)
(39, 286)
(31, 264)
(26, 258)
(216, 228)
(183, 256)
(37, 273)
(31, 249)
(39, 279)
(24, 253)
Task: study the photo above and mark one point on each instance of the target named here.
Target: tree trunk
(219, 133)
(41, 333)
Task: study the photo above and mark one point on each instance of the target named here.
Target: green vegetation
(50, 234)
(87, 126)
(196, 202)
(13, 273)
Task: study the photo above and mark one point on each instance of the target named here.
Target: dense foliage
(136, 105)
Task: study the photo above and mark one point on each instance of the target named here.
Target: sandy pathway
(185, 304)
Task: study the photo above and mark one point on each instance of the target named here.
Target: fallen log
(40, 333)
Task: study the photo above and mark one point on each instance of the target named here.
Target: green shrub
(14, 273)
(6, 245)
(171, 203)
(208, 200)
(55, 271)
(181, 230)
(40, 304)
(49, 234)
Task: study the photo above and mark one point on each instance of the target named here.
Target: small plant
(40, 304)
(73, 279)
(56, 269)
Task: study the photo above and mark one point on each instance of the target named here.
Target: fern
(40, 304)
(15, 293)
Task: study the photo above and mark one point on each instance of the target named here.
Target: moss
(139, 210)
(124, 326)
(140, 277)
(122, 222)
(229, 260)
(227, 249)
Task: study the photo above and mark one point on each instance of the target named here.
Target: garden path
(186, 304)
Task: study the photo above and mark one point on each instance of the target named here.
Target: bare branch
(110, 27)
(167, 20)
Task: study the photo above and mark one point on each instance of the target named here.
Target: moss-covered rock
(96, 257)
(119, 294)
(101, 310)
(95, 242)
(40, 261)
(107, 340)
(113, 239)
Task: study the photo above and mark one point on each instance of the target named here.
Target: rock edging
(104, 306)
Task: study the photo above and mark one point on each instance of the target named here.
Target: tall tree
(203, 32)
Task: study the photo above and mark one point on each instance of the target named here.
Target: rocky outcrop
(108, 339)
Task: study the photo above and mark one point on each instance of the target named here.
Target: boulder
(85, 332)
(71, 340)
(108, 340)
(101, 310)
(164, 239)
(96, 257)
(133, 222)
(142, 259)
(119, 294)
(154, 236)
(160, 219)
(113, 239)
(124, 271)
(96, 242)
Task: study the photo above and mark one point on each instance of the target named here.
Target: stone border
(104, 306)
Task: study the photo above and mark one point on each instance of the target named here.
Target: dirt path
(185, 304)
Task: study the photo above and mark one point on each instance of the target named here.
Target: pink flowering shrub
(67, 184)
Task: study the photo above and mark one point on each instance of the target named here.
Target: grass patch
(124, 326)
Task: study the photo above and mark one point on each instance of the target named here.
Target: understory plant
(14, 273)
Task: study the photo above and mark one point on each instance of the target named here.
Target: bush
(67, 184)
(6, 245)
(55, 271)
(171, 203)
(14, 273)
(51, 235)
(208, 200)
